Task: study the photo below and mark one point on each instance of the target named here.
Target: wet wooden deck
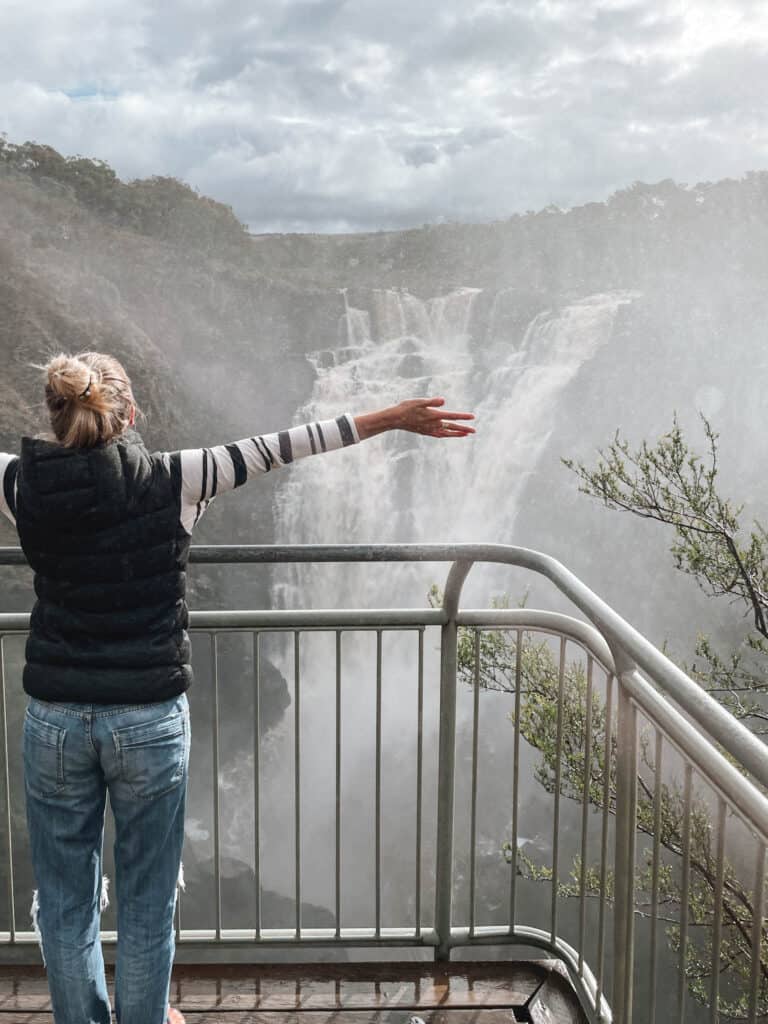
(468, 992)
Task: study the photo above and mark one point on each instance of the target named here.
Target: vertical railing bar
(684, 893)
(558, 778)
(255, 640)
(473, 808)
(216, 808)
(624, 853)
(7, 796)
(655, 865)
(758, 909)
(446, 761)
(632, 851)
(585, 813)
(419, 756)
(337, 880)
(297, 779)
(378, 783)
(604, 842)
(515, 783)
(717, 914)
(631, 859)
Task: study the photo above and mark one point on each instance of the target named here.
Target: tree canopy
(163, 207)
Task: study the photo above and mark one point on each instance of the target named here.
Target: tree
(160, 206)
(674, 486)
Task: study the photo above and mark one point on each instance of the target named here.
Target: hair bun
(70, 377)
(89, 397)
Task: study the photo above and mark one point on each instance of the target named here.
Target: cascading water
(400, 487)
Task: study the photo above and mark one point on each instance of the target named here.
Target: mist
(555, 328)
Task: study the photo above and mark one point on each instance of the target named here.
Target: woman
(106, 527)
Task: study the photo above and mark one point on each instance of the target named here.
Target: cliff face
(175, 311)
(213, 345)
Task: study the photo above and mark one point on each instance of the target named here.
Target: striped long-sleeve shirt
(205, 473)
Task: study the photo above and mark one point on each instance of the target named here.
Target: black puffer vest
(100, 527)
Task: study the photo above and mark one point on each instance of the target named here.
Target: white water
(398, 487)
(401, 486)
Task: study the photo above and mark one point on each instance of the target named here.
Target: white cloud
(336, 115)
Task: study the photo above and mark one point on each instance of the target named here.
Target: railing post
(5, 787)
(624, 863)
(446, 760)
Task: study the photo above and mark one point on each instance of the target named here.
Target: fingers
(434, 422)
(448, 415)
(448, 430)
(439, 400)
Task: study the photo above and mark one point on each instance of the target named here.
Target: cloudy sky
(348, 115)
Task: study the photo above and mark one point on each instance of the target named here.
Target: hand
(416, 415)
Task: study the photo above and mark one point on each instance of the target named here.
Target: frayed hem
(179, 886)
(34, 911)
(104, 900)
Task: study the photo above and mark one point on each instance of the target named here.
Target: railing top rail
(630, 648)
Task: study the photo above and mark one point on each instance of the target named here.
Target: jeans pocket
(153, 756)
(43, 754)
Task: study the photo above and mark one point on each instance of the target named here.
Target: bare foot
(175, 1016)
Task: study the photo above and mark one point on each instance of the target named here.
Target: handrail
(679, 711)
(711, 763)
(631, 647)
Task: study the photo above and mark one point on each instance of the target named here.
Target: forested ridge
(543, 244)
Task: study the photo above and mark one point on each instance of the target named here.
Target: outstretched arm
(204, 473)
(417, 416)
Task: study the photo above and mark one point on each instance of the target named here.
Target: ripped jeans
(74, 753)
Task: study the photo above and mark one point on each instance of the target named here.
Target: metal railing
(627, 724)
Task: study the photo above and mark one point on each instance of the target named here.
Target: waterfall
(401, 487)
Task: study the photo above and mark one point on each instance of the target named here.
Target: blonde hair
(89, 398)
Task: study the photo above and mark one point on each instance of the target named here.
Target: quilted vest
(100, 528)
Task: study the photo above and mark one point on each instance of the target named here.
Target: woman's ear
(132, 420)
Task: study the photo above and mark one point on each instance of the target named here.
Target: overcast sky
(347, 115)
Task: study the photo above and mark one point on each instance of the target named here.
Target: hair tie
(84, 394)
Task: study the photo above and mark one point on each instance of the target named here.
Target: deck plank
(343, 993)
(326, 1017)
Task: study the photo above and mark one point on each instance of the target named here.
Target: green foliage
(738, 680)
(670, 483)
(673, 485)
(161, 207)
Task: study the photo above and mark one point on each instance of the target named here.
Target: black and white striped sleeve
(204, 473)
(9, 465)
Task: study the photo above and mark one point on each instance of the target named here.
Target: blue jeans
(74, 753)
